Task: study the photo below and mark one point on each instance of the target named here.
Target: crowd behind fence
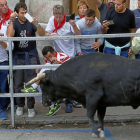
(12, 67)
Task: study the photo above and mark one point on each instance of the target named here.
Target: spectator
(82, 7)
(25, 53)
(103, 8)
(5, 13)
(88, 26)
(57, 26)
(136, 46)
(52, 57)
(124, 22)
(4, 47)
(137, 15)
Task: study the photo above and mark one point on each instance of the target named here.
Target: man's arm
(130, 50)
(10, 29)
(104, 26)
(132, 31)
(75, 28)
(98, 3)
(40, 31)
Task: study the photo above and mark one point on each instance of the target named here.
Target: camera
(70, 17)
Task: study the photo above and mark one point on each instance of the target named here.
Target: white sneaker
(19, 111)
(31, 112)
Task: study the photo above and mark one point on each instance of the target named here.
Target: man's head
(111, 3)
(21, 10)
(82, 7)
(138, 3)
(48, 52)
(58, 12)
(89, 17)
(3, 7)
(120, 6)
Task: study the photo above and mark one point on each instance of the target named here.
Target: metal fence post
(11, 82)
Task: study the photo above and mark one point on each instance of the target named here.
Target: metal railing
(11, 67)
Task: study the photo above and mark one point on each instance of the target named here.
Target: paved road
(113, 131)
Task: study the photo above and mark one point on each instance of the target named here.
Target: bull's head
(46, 87)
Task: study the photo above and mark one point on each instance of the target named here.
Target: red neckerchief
(7, 17)
(108, 6)
(60, 25)
(81, 17)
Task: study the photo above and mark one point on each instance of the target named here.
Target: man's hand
(51, 34)
(13, 16)
(54, 60)
(37, 70)
(96, 45)
(105, 24)
(72, 22)
(80, 53)
(35, 21)
(130, 52)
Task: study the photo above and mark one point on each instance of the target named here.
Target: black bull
(97, 81)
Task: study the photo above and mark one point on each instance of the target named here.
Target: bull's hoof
(101, 133)
(94, 135)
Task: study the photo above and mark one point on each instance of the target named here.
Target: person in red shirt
(52, 57)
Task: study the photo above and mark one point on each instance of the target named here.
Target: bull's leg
(100, 114)
(91, 105)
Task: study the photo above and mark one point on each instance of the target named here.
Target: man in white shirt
(4, 88)
(5, 13)
(4, 47)
(57, 26)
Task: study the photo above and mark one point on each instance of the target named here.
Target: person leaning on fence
(136, 47)
(124, 22)
(4, 47)
(52, 57)
(82, 7)
(57, 26)
(25, 53)
(5, 13)
(88, 26)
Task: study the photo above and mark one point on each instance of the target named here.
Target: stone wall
(133, 4)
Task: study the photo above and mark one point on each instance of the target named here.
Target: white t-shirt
(65, 46)
(3, 52)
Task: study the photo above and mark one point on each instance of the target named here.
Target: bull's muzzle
(39, 77)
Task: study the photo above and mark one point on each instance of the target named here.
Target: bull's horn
(39, 77)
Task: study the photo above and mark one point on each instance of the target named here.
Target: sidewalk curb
(71, 119)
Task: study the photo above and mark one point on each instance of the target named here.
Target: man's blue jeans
(112, 51)
(88, 51)
(3, 85)
(138, 56)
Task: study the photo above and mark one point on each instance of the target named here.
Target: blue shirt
(137, 18)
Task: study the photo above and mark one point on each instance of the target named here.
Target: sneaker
(52, 111)
(29, 90)
(31, 113)
(76, 104)
(69, 108)
(3, 115)
(19, 111)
